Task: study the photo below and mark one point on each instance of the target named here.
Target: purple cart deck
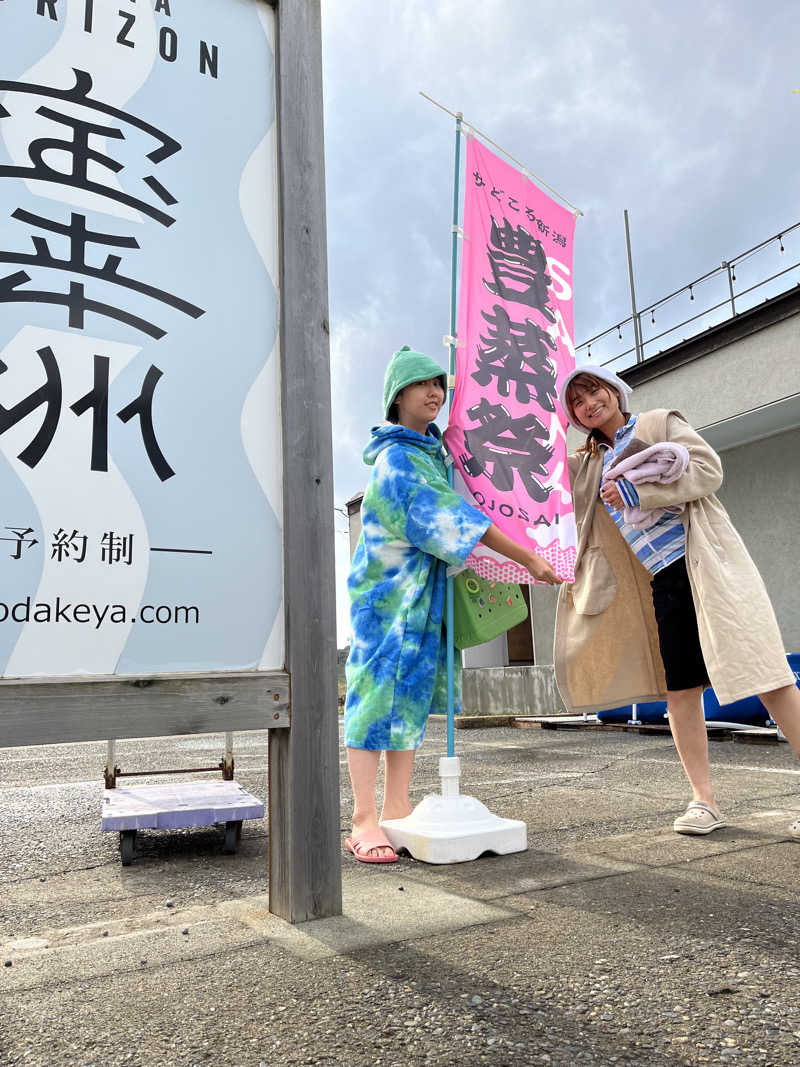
(176, 805)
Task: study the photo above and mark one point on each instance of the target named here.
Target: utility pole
(637, 326)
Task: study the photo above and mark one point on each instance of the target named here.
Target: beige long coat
(606, 642)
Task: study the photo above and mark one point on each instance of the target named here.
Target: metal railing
(726, 298)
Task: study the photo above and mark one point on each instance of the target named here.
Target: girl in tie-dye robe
(413, 526)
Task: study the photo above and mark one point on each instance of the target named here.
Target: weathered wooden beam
(58, 710)
(304, 846)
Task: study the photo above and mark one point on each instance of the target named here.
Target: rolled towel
(663, 462)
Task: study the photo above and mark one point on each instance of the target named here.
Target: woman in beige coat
(670, 605)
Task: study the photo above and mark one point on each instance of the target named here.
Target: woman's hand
(541, 570)
(610, 494)
(538, 567)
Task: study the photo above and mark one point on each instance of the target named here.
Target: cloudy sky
(683, 113)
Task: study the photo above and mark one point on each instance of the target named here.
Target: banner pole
(451, 384)
(448, 827)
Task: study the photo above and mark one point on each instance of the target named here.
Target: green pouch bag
(482, 610)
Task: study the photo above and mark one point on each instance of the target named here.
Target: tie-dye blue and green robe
(413, 525)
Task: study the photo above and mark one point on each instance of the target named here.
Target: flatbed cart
(175, 805)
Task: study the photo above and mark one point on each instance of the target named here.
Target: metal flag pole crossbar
(461, 124)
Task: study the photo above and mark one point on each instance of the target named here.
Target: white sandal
(701, 818)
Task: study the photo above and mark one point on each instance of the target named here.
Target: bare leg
(784, 707)
(687, 723)
(363, 767)
(399, 766)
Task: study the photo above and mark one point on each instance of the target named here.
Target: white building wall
(755, 370)
(761, 492)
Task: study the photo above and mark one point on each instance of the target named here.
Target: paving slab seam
(586, 879)
(59, 874)
(121, 972)
(573, 776)
(665, 748)
(354, 952)
(614, 761)
(738, 767)
(697, 859)
(642, 822)
(735, 883)
(793, 794)
(731, 812)
(153, 893)
(632, 867)
(114, 860)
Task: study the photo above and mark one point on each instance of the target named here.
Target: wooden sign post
(166, 543)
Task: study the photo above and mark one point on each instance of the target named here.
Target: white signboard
(140, 463)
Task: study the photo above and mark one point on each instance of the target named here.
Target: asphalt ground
(612, 940)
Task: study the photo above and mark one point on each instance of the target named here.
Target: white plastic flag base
(450, 828)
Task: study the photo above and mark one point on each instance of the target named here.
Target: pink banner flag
(505, 433)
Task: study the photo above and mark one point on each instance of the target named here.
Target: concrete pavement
(611, 940)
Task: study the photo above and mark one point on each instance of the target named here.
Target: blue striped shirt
(664, 541)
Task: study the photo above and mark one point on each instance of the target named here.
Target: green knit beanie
(405, 368)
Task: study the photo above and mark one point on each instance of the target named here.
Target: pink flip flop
(361, 844)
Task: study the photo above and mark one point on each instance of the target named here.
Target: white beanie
(606, 375)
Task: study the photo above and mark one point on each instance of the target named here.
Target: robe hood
(389, 434)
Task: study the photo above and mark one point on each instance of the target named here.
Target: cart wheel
(127, 842)
(233, 834)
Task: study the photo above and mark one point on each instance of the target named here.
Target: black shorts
(678, 638)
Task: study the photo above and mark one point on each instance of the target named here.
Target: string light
(691, 293)
(780, 242)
